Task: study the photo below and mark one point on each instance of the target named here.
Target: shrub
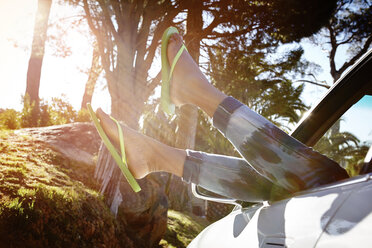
(61, 112)
(44, 115)
(57, 112)
(9, 119)
(83, 116)
(28, 114)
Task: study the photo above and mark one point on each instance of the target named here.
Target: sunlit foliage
(344, 148)
(57, 112)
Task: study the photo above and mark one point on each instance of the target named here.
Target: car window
(348, 140)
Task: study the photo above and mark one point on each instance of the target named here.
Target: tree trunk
(189, 114)
(95, 71)
(145, 211)
(37, 54)
(179, 196)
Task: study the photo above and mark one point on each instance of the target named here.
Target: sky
(359, 115)
(66, 77)
(61, 77)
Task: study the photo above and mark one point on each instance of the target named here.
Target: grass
(49, 201)
(182, 229)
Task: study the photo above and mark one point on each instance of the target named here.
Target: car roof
(340, 97)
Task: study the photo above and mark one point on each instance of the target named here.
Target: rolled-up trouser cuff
(191, 167)
(223, 112)
(229, 176)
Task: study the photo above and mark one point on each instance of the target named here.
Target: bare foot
(187, 77)
(144, 154)
(189, 85)
(136, 149)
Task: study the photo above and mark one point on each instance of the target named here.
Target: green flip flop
(167, 70)
(120, 161)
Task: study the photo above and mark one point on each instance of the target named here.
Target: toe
(107, 123)
(102, 115)
(174, 44)
(178, 38)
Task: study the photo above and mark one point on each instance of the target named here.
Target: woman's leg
(274, 154)
(228, 176)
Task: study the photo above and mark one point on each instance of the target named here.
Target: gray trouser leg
(229, 176)
(271, 152)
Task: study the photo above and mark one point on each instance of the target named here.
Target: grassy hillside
(49, 201)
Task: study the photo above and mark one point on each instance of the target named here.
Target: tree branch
(357, 56)
(152, 85)
(104, 57)
(108, 21)
(332, 53)
(141, 43)
(117, 7)
(214, 35)
(157, 35)
(315, 83)
(208, 30)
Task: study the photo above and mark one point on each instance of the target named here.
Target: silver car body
(324, 217)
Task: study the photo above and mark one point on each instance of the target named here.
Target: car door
(351, 225)
(295, 222)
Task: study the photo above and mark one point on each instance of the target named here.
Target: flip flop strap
(121, 139)
(176, 58)
(119, 161)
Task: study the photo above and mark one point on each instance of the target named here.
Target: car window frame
(348, 90)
